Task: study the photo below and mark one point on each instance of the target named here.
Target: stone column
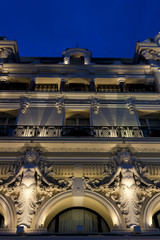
(67, 60)
(86, 60)
(156, 72)
(122, 84)
(3, 83)
(92, 85)
(32, 84)
(5, 53)
(62, 84)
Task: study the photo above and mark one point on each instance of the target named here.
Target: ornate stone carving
(7, 171)
(150, 55)
(95, 105)
(29, 188)
(157, 39)
(60, 105)
(5, 52)
(66, 60)
(24, 103)
(4, 80)
(130, 105)
(126, 187)
(155, 55)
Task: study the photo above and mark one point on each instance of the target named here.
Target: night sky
(108, 28)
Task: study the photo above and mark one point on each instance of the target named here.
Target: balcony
(72, 87)
(46, 87)
(14, 86)
(79, 131)
(126, 88)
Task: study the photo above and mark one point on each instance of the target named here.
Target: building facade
(80, 142)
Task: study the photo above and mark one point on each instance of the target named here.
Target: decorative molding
(95, 105)
(59, 105)
(5, 52)
(126, 187)
(29, 188)
(151, 56)
(24, 103)
(130, 102)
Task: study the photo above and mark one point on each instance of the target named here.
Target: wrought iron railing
(79, 131)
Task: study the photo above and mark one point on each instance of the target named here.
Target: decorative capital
(5, 52)
(60, 105)
(4, 79)
(130, 105)
(95, 105)
(121, 80)
(24, 103)
(157, 39)
(66, 60)
(150, 55)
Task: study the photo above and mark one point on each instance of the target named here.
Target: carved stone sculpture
(5, 52)
(95, 105)
(126, 187)
(60, 105)
(130, 105)
(24, 103)
(150, 55)
(29, 188)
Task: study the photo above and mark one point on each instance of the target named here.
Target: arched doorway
(65, 200)
(151, 213)
(156, 220)
(8, 217)
(1, 221)
(78, 220)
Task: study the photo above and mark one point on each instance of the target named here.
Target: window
(1, 221)
(77, 123)
(76, 60)
(78, 220)
(7, 120)
(156, 219)
(77, 118)
(8, 117)
(150, 123)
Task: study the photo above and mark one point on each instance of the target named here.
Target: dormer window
(77, 56)
(76, 60)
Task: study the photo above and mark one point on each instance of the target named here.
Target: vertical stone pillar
(122, 84)
(156, 72)
(67, 60)
(92, 85)
(32, 84)
(86, 60)
(62, 84)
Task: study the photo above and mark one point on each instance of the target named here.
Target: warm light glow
(27, 192)
(128, 192)
(115, 221)
(150, 221)
(78, 201)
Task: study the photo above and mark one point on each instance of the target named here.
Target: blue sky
(108, 28)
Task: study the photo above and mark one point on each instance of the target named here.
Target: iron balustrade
(79, 131)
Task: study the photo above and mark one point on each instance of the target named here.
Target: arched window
(78, 220)
(156, 219)
(1, 221)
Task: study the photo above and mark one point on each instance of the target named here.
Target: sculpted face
(124, 157)
(30, 156)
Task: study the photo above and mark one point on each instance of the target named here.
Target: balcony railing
(127, 88)
(79, 131)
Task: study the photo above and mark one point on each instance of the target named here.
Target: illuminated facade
(80, 142)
